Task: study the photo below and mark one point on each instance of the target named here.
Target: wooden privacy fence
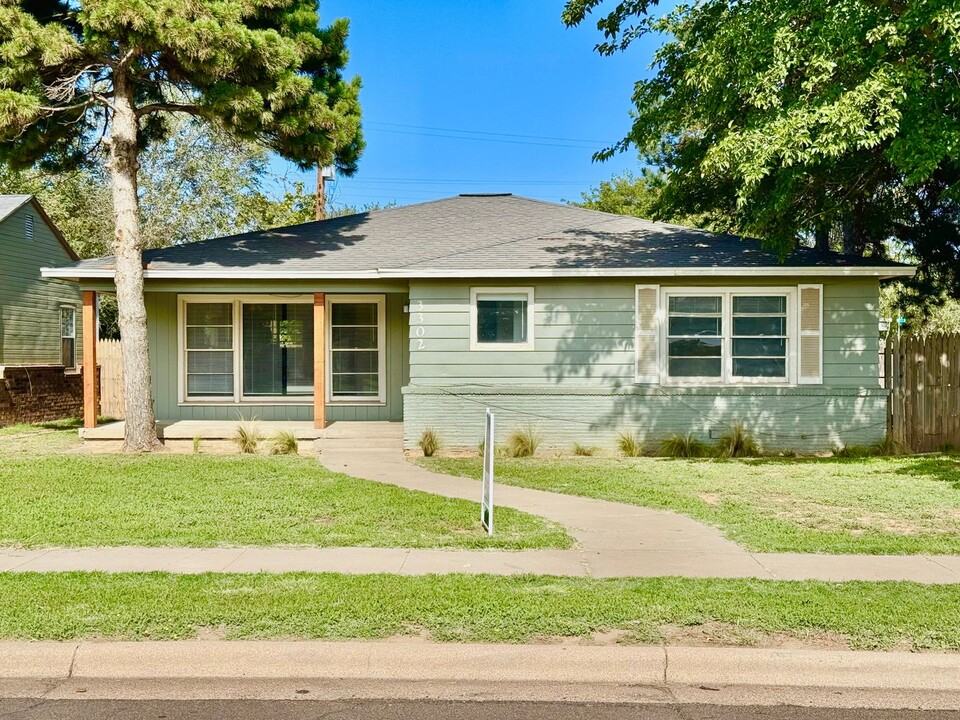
(111, 378)
(923, 375)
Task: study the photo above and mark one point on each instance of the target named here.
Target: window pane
(209, 313)
(696, 304)
(350, 338)
(759, 367)
(210, 385)
(68, 322)
(759, 326)
(501, 321)
(772, 347)
(694, 367)
(354, 361)
(277, 349)
(209, 338)
(68, 352)
(760, 304)
(696, 347)
(356, 384)
(215, 361)
(354, 314)
(694, 326)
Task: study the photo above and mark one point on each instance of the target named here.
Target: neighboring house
(40, 331)
(581, 323)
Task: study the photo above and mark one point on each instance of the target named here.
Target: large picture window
(728, 336)
(277, 349)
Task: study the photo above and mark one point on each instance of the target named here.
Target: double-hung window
(68, 337)
(729, 336)
(357, 359)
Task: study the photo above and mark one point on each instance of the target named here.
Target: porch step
(364, 436)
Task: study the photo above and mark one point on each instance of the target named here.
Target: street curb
(416, 661)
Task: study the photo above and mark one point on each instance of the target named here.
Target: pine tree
(78, 78)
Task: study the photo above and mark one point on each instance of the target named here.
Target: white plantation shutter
(810, 320)
(647, 335)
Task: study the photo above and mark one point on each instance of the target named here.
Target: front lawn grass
(898, 505)
(477, 608)
(51, 498)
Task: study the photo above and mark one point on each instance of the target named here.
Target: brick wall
(39, 393)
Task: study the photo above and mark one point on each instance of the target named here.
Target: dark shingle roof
(470, 232)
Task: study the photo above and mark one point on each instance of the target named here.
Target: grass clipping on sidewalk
(479, 608)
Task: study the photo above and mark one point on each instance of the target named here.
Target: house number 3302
(416, 319)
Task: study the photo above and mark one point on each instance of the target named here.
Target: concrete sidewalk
(401, 561)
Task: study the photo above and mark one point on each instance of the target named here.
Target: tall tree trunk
(822, 236)
(140, 430)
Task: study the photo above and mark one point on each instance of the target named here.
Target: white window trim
(66, 306)
(516, 293)
(237, 301)
(342, 400)
(728, 378)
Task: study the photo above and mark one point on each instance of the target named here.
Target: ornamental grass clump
(523, 442)
(430, 442)
(247, 437)
(683, 446)
(284, 442)
(630, 444)
(583, 450)
(737, 443)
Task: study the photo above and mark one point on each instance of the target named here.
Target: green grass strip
(460, 608)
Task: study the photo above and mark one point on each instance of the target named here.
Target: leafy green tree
(826, 121)
(79, 77)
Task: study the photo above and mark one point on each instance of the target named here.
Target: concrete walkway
(614, 540)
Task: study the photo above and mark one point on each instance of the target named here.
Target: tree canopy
(80, 78)
(823, 120)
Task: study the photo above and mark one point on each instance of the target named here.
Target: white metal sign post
(486, 500)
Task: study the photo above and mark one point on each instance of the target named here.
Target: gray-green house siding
(29, 304)
(577, 384)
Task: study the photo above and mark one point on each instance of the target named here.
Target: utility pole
(324, 173)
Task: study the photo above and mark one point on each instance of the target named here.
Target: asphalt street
(34, 709)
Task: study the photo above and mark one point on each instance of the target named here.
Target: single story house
(40, 331)
(582, 323)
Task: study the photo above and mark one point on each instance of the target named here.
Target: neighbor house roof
(9, 204)
(480, 236)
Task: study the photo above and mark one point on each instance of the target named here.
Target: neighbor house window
(68, 337)
(209, 345)
(501, 318)
(356, 349)
(730, 336)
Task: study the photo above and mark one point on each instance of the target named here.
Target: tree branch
(168, 107)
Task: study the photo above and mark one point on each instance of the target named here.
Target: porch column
(319, 361)
(89, 320)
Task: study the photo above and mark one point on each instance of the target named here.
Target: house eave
(883, 273)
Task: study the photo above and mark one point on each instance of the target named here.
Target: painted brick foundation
(807, 419)
(39, 393)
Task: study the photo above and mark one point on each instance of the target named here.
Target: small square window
(502, 319)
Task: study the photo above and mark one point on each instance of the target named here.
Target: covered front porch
(291, 360)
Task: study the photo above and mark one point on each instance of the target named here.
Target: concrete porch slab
(204, 429)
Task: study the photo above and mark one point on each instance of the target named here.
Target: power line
(438, 181)
(493, 140)
(497, 134)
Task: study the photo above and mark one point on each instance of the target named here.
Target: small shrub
(583, 450)
(852, 451)
(480, 447)
(247, 437)
(888, 446)
(284, 442)
(630, 444)
(430, 442)
(523, 442)
(684, 446)
(738, 443)
(196, 444)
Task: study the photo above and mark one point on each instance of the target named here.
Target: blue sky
(450, 84)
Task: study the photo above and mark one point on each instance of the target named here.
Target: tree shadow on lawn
(945, 468)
